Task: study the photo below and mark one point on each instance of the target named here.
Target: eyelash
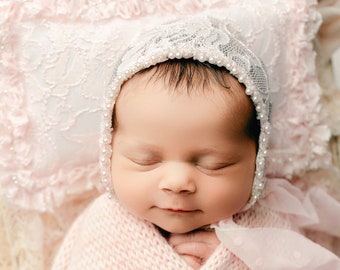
(146, 163)
(213, 168)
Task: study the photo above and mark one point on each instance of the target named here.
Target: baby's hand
(195, 247)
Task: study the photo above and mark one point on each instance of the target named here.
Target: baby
(184, 146)
(184, 139)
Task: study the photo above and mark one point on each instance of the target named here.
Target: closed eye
(213, 166)
(144, 162)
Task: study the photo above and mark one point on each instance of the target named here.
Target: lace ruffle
(102, 10)
(300, 136)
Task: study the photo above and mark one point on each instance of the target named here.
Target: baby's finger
(193, 261)
(199, 250)
(200, 236)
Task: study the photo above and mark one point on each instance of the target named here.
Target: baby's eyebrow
(217, 150)
(210, 150)
(142, 145)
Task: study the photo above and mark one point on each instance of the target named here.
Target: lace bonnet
(204, 39)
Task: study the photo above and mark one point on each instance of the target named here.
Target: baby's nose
(178, 177)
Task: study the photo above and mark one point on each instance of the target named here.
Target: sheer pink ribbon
(276, 248)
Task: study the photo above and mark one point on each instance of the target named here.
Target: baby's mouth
(177, 210)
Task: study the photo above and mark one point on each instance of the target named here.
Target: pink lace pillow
(57, 58)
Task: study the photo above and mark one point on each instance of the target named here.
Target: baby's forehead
(219, 88)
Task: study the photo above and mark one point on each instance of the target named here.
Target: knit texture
(107, 236)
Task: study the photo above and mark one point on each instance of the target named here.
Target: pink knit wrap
(107, 236)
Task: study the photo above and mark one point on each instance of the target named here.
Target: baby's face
(182, 161)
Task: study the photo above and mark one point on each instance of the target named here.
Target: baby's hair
(191, 74)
